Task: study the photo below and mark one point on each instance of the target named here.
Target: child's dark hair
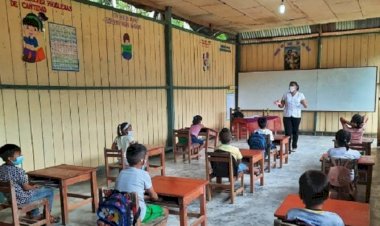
(32, 19)
(225, 136)
(262, 121)
(121, 127)
(313, 188)
(126, 37)
(135, 152)
(294, 83)
(8, 150)
(357, 121)
(197, 119)
(343, 138)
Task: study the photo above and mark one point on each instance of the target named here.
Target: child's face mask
(144, 166)
(292, 88)
(130, 133)
(18, 160)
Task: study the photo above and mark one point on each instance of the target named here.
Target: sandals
(54, 219)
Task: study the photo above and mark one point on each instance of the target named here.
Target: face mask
(18, 160)
(130, 133)
(144, 166)
(292, 88)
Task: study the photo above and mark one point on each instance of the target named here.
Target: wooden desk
(182, 192)
(254, 156)
(209, 134)
(352, 213)
(66, 175)
(367, 161)
(156, 151)
(284, 147)
(367, 142)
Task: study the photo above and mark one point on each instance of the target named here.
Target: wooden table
(156, 151)
(209, 134)
(284, 147)
(254, 156)
(66, 175)
(181, 192)
(352, 213)
(367, 161)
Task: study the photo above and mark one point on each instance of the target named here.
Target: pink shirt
(195, 129)
(356, 133)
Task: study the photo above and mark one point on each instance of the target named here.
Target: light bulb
(281, 8)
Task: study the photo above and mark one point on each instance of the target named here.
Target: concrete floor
(251, 208)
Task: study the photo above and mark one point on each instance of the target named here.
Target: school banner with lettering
(64, 49)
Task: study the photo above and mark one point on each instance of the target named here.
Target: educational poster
(126, 47)
(33, 27)
(230, 103)
(292, 58)
(64, 49)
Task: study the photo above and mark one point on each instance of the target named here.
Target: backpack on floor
(257, 141)
(117, 210)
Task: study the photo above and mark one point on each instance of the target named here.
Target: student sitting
(225, 138)
(25, 192)
(341, 149)
(124, 137)
(136, 179)
(237, 114)
(262, 122)
(356, 127)
(195, 129)
(314, 190)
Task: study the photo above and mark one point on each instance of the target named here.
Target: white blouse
(293, 104)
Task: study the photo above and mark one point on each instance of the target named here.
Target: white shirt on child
(342, 152)
(265, 132)
(123, 142)
(293, 104)
(315, 218)
(134, 180)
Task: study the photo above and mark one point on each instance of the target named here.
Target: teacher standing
(292, 102)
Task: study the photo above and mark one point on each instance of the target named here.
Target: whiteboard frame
(306, 110)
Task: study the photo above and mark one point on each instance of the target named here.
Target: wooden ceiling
(250, 15)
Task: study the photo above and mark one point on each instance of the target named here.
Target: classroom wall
(189, 73)
(342, 51)
(54, 125)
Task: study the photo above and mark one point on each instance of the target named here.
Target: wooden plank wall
(343, 51)
(188, 71)
(73, 126)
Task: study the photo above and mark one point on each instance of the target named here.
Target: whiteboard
(338, 89)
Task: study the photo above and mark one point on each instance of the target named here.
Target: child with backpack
(136, 179)
(257, 139)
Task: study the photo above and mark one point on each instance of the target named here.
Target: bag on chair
(257, 141)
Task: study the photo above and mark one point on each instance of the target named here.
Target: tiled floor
(249, 209)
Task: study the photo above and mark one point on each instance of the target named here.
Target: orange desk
(182, 192)
(66, 175)
(352, 213)
(254, 156)
(284, 147)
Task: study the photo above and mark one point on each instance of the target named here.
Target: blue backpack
(117, 210)
(257, 141)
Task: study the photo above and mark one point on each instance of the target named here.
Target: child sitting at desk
(25, 192)
(124, 137)
(356, 127)
(225, 138)
(136, 179)
(195, 129)
(262, 122)
(314, 191)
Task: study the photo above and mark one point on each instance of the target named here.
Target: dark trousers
(291, 126)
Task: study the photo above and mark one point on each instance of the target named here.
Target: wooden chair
(271, 153)
(106, 192)
(219, 165)
(182, 141)
(343, 191)
(361, 147)
(110, 153)
(160, 152)
(18, 210)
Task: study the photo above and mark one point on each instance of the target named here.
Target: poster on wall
(292, 58)
(33, 27)
(206, 62)
(126, 47)
(64, 48)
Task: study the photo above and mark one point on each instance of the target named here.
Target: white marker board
(338, 89)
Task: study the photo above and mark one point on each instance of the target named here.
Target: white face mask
(130, 133)
(292, 88)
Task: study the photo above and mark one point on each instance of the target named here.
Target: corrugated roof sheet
(278, 32)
